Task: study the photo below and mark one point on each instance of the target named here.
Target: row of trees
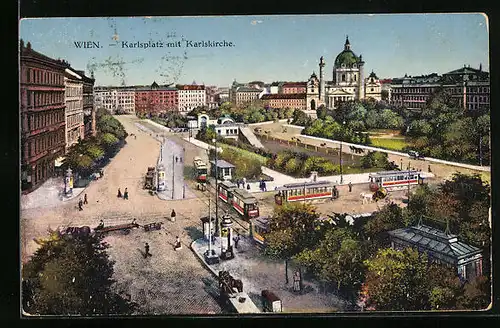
(443, 130)
(89, 154)
(355, 259)
(331, 129)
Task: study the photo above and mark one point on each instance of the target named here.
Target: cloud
(255, 22)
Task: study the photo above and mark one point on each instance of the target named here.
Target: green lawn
(246, 153)
(389, 143)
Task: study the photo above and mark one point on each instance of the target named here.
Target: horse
(78, 231)
(366, 198)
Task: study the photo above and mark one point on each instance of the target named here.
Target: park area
(388, 139)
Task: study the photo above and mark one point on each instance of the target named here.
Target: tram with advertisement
(200, 170)
(258, 228)
(240, 200)
(391, 180)
(306, 191)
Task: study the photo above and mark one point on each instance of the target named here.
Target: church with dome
(348, 82)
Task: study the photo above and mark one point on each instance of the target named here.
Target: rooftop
(284, 96)
(222, 164)
(435, 241)
(247, 89)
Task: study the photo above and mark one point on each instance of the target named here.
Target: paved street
(154, 283)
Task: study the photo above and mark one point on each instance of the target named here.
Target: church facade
(348, 82)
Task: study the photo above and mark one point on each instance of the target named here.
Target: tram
(245, 204)
(258, 228)
(225, 191)
(200, 169)
(309, 191)
(240, 200)
(394, 179)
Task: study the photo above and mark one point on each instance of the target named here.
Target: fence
(297, 143)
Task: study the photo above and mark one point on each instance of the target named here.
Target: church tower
(321, 79)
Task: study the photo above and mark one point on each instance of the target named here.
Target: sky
(265, 48)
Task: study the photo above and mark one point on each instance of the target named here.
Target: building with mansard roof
(469, 87)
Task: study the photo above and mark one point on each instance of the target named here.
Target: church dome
(346, 57)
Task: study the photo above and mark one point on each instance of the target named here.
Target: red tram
(309, 191)
(240, 200)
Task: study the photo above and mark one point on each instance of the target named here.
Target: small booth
(222, 169)
(271, 302)
(208, 227)
(161, 177)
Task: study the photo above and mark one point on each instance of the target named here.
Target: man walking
(125, 194)
(85, 199)
(350, 186)
(236, 240)
(80, 205)
(172, 216)
(119, 193)
(146, 251)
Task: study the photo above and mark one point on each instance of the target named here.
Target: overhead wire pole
(173, 176)
(217, 230)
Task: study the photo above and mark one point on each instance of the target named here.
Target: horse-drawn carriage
(231, 292)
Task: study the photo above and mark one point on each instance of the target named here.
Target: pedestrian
(296, 281)
(85, 199)
(176, 159)
(264, 186)
(178, 244)
(135, 137)
(429, 168)
(125, 194)
(146, 251)
(244, 181)
(238, 183)
(119, 193)
(248, 186)
(180, 159)
(172, 216)
(350, 186)
(101, 225)
(236, 240)
(80, 205)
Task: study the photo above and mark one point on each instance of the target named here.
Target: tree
(476, 294)
(338, 259)
(291, 230)
(397, 280)
(390, 217)
(445, 287)
(72, 276)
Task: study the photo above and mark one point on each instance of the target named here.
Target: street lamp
(214, 141)
(340, 154)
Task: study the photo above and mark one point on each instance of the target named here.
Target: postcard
(237, 165)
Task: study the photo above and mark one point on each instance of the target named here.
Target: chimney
(28, 45)
(480, 67)
(21, 43)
